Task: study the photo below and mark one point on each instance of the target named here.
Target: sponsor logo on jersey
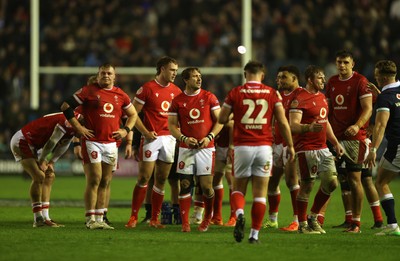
(323, 112)
(339, 99)
(108, 107)
(194, 114)
(165, 105)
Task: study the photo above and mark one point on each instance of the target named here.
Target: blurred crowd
(203, 33)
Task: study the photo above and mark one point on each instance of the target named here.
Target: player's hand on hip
(151, 135)
(84, 132)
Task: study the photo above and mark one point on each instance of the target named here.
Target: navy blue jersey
(389, 100)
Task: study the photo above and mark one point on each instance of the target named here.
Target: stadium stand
(203, 33)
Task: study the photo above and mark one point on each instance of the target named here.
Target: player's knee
(50, 176)
(328, 181)
(306, 185)
(38, 177)
(186, 183)
(208, 192)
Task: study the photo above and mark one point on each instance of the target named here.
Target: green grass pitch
(19, 241)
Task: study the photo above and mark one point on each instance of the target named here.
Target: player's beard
(104, 83)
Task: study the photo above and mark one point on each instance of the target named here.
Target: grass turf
(19, 241)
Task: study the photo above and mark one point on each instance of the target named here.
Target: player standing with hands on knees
(102, 106)
(37, 146)
(253, 106)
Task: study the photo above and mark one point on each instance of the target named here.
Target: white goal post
(36, 69)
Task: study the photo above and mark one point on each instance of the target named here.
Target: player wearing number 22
(253, 105)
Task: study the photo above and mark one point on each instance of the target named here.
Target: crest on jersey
(165, 105)
(116, 99)
(294, 104)
(147, 153)
(339, 99)
(108, 107)
(202, 103)
(181, 165)
(94, 154)
(194, 114)
(140, 90)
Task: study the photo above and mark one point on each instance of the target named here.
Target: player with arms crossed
(253, 105)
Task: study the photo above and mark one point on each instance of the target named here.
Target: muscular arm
(298, 128)
(173, 125)
(139, 123)
(330, 135)
(279, 114)
(224, 115)
(60, 149)
(381, 120)
(79, 129)
(366, 105)
(55, 137)
(217, 127)
(130, 122)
